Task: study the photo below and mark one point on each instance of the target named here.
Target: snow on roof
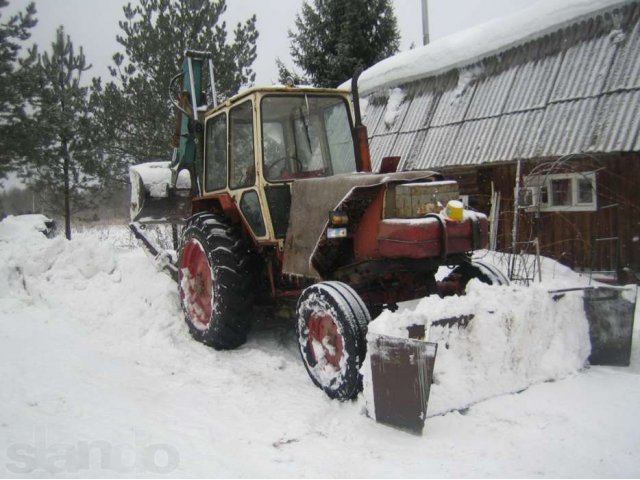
(465, 47)
(574, 89)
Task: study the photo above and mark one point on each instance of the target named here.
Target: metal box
(415, 200)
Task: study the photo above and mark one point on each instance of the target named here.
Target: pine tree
(61, 162)
(285, 75)
(14, 81)
(333, 37)
(134, 109)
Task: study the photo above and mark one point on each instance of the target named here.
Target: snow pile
(21, 226)
(469, 46)
(518, 336)
(514, 336)
(93, 281)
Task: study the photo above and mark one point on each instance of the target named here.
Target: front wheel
(332, 324)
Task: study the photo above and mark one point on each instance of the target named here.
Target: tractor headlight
(338, 218)
(338, 224)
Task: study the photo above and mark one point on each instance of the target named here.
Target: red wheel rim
(325, 340)
(196, 284)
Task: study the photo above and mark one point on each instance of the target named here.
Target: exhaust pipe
(363, 155)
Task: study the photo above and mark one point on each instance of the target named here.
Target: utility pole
(425, 22)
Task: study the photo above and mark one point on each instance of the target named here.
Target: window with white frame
(574, 192)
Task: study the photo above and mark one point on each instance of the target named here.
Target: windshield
(306, 136)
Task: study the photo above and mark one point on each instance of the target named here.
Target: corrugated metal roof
(533, 82)
(515, 135)
(616, 126)
(491, 95)
(625, 70)
(571, 91)
(565, 128)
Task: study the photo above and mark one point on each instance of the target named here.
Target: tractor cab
(257, 143)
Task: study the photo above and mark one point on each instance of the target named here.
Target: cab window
(216, 153)
(242, 159)
(306, 136)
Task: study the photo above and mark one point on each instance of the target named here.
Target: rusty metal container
(610, 311)
(401, 377)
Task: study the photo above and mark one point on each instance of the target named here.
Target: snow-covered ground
(100, 378)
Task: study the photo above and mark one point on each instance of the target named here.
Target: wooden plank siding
(568, 236)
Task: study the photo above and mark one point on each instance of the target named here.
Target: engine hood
(312, 200)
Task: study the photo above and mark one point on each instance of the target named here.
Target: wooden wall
(568, 236)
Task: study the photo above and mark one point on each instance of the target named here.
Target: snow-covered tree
(333, 37)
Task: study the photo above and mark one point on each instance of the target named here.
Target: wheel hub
(196, 284)
(327, 344)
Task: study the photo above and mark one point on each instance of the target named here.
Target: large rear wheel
(215, 282)
(332, 328)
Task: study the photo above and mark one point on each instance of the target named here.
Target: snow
(494, 354)
(23, 225)
(156, 177)
(466, 47)
(393, 107)
(324, 373)
(101, 379)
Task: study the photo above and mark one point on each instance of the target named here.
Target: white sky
(93, 24)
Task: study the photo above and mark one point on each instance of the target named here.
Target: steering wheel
(281, 160)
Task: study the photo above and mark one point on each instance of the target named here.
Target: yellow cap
(455, 210)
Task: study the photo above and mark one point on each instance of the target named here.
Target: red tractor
(283, 216)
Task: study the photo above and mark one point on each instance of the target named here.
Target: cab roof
(278, 89)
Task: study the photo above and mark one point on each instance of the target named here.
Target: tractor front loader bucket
(155, 197)
(401, 376)
(159, 196)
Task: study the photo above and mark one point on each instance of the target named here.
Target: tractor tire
(332, 328)
(215, 282)
(456, 282)
(482, 271)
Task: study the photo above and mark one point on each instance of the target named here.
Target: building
(537, 113)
